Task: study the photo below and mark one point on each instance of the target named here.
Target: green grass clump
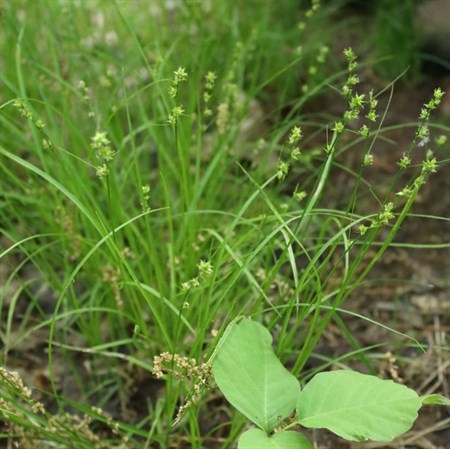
(160, 177)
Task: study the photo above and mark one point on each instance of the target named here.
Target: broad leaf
(436, 399)
(252, 378)
(357, 407)
(258, 439)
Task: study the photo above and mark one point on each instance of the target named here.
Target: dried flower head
(184, 369)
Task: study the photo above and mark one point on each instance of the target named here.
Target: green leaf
(357, 407)
(258, 439)
(436, 399)
(251, 376)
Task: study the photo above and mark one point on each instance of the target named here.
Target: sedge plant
(143, 208)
